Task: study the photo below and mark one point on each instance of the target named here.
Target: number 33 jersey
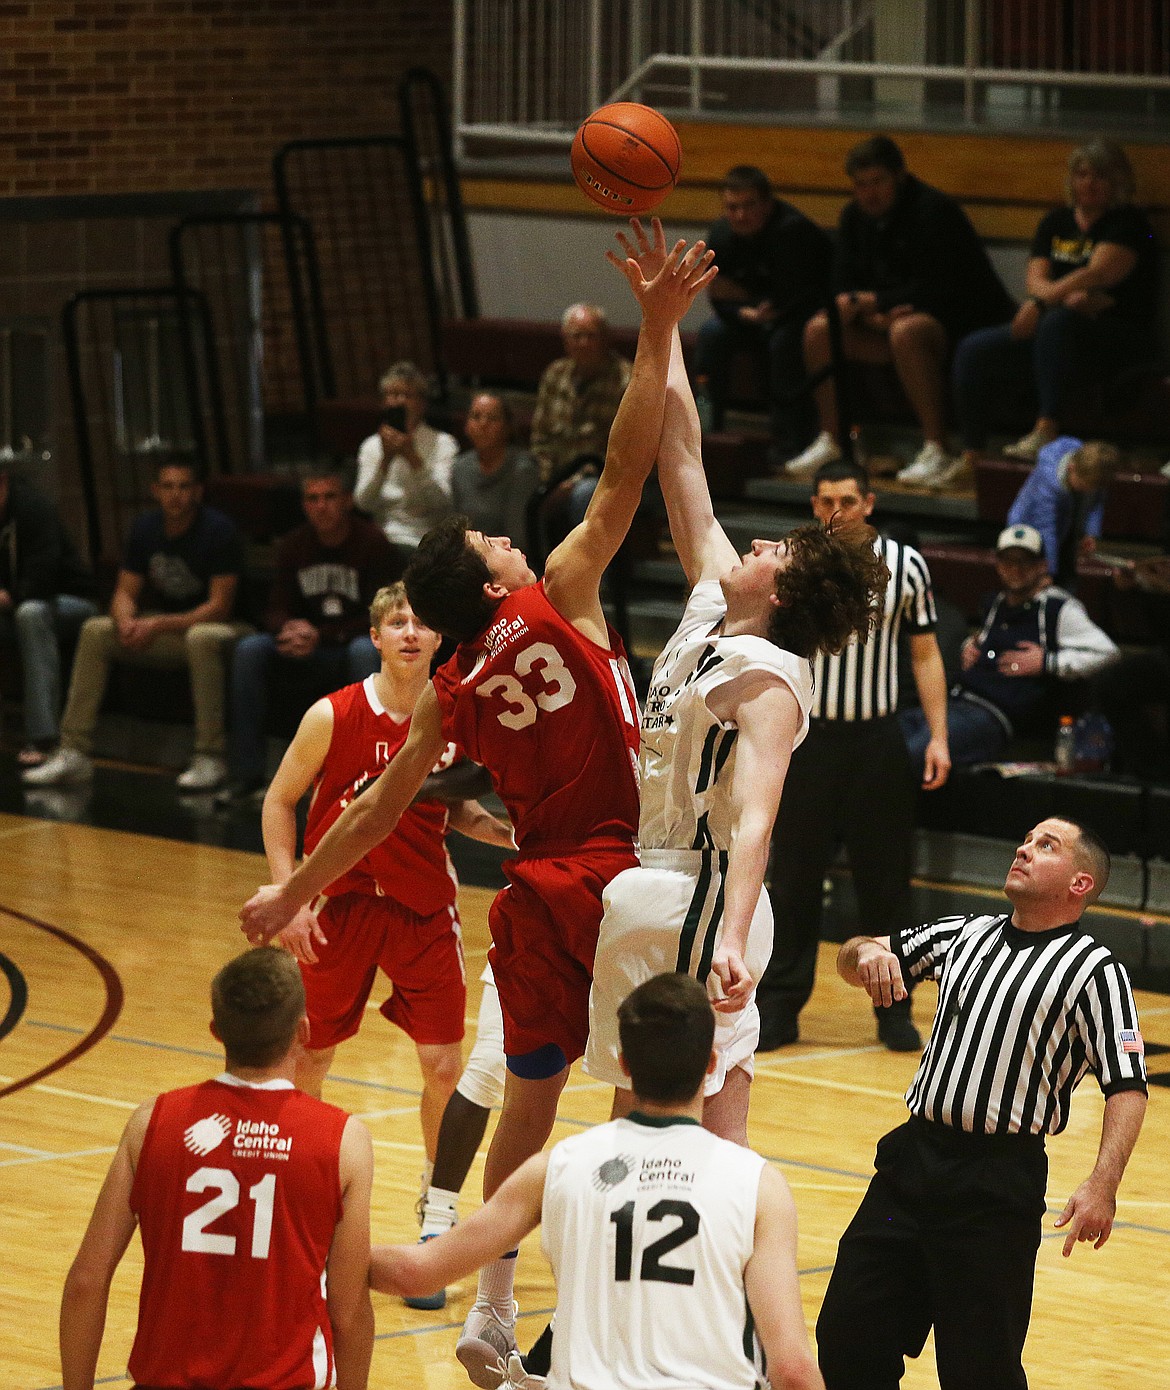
(648, 1223)
(237, 1196)
(554, 719)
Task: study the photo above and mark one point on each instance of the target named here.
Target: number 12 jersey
(649, 1223)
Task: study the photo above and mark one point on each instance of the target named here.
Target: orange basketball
(626, 158)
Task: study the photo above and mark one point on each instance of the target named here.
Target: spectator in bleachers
(318, 630)
(45, 596)
(1064, 499)
(172, 607)
(1033, 636)
(492, 482)
(404, 471)
(913, 278)
(576, 403)
(774, 266)
(1089, 314)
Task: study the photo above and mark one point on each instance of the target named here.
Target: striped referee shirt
(861, 682)
(1022, 1016)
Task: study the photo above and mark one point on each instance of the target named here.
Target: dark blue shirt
(177, 570)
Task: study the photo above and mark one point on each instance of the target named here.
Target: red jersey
(554, 719)
(237, 1196)
(410, 865)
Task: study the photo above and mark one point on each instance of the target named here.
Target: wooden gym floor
(108, 940)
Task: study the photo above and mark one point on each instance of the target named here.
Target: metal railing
(526, 72)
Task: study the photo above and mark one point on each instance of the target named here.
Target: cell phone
(394, 417)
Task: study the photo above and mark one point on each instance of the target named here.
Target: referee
(851, 779)
(947, 1233)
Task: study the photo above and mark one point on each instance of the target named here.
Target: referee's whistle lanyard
(960, 1006)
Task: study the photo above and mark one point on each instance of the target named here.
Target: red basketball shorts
(423, 956)
(544, 928)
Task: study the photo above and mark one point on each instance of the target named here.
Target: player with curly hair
(728, 702)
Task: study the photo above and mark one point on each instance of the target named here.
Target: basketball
(626, 158)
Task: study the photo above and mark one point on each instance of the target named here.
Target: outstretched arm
(574, 569)
(364, 823)
(703, 548)
(773, 1289)
(499, 1225)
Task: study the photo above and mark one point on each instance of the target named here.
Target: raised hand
(678, 275)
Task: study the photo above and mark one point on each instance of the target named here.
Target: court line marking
(823, 1083)
(207, 1053)
(77, 1095)
(111, 982)
(52, 1158)
(826, 1054)
(23, 1149)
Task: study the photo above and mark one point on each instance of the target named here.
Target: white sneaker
(485, 1344)
(955, 472)
(205, 773)
(1026, 449)
(822, 450)
(928, 462)
(66, 768)
(517, 1378)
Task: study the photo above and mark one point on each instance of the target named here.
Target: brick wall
(117, 96)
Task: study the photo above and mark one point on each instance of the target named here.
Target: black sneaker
(899, 1034)
(777, 1030)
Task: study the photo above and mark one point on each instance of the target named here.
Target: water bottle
(1064, 754)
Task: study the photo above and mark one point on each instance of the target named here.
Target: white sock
(496, 1282)
(439, 1211)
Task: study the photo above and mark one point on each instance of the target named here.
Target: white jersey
(687, 760)
(649, 1224)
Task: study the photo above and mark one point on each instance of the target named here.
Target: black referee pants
(851, 783)
(946, 1236)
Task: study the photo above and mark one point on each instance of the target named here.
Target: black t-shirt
(1066, 248)
(924, 252)
(786, 262)
(178, 570)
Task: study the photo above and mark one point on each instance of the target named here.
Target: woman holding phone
(404, 471)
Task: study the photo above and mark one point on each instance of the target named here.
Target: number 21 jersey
(237, 1195)
(554, 719)
(648, 1223)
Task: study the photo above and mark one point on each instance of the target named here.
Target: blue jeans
(994, 376)
(42, 628)
(974, 734)
(256, 662)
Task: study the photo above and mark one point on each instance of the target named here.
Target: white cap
(1021, 538)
